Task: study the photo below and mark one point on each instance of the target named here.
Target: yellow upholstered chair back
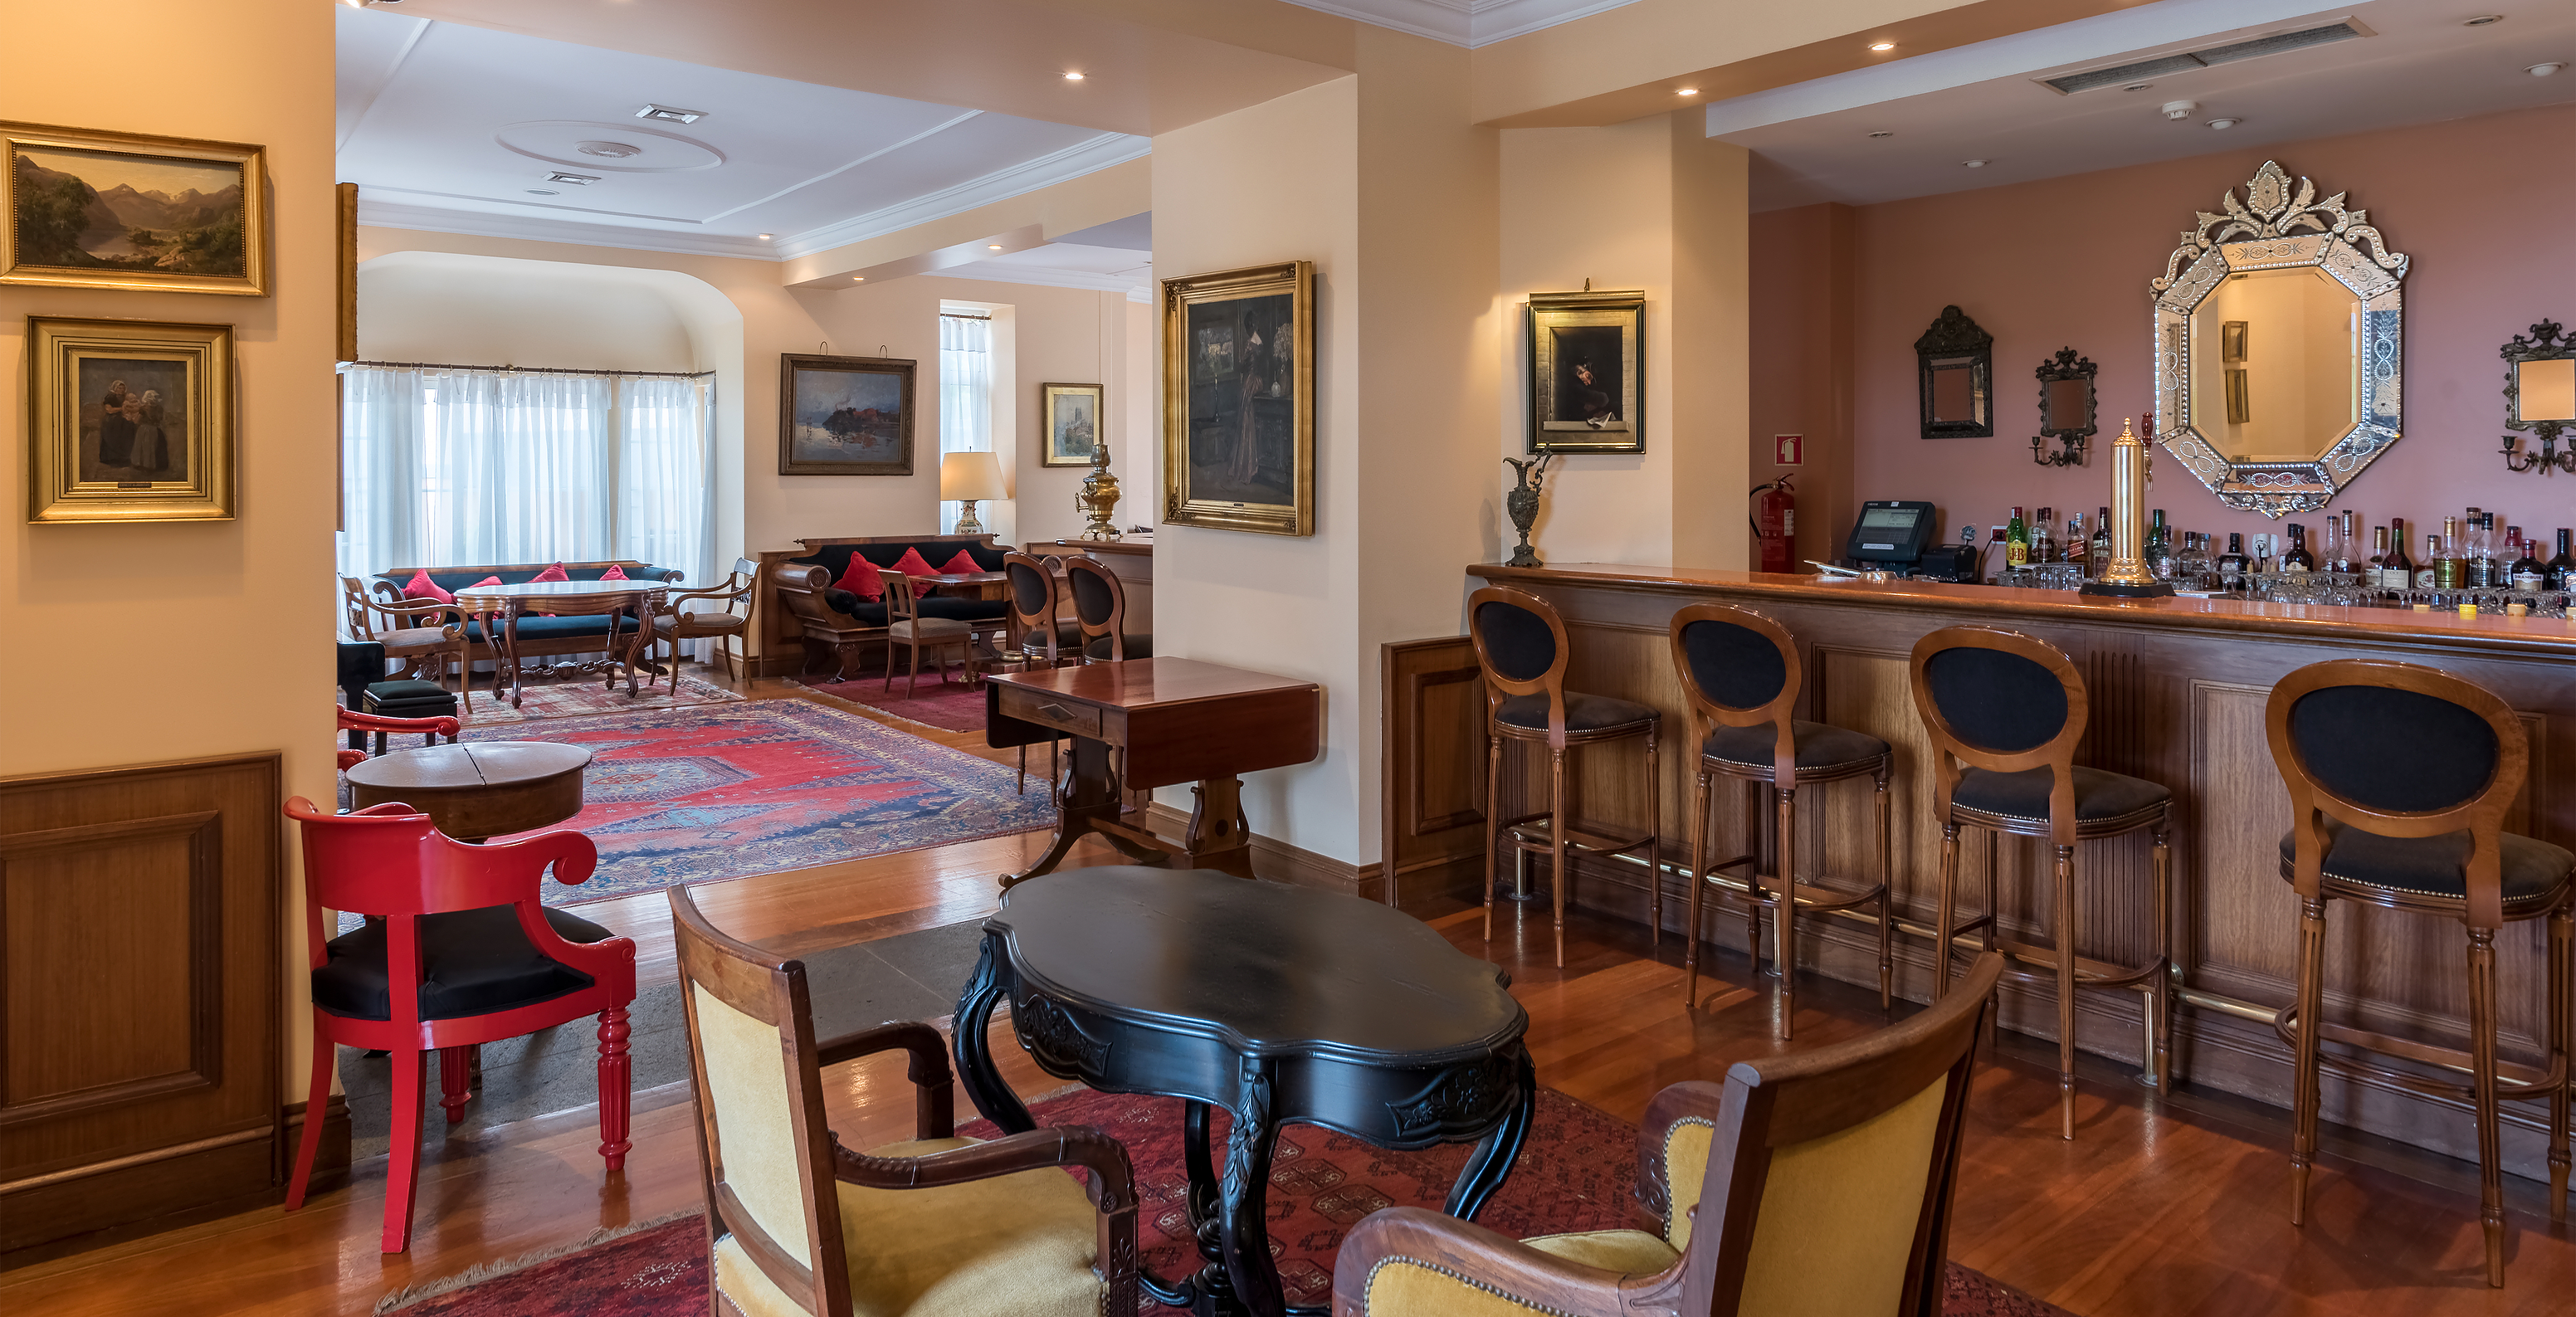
(1822, 1182)
(765, 1149)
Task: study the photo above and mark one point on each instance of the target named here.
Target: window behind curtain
(965, 392)
(451, 468)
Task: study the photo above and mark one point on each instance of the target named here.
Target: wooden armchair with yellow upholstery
(1825, 1178)
(799, 1226)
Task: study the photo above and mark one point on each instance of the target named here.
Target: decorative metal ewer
(2127, 577)
(1522, 503)
(1099, 495)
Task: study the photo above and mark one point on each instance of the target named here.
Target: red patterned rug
(577, 697)
(712, 791)
(1576, 1173)
(949, 705)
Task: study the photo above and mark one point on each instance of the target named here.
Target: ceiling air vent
(2167, 65)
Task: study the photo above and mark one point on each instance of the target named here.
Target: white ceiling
(1811, 141)
(1113, 257)
(451, 128)
(1469, 23)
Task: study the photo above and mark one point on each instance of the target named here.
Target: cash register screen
(1886, 528)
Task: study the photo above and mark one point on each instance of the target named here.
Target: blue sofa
(838, 627)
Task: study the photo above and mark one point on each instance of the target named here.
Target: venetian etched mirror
(2540, 396)
(2278, 347)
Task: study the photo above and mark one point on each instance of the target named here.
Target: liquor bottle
(2097, 562)
(2477, 554)
(2043, 538)
(2232, 564)
(2159, 557)
(2428, 571)
(2450, 564)
(2016, 541)
(2331, 549)
(2562, 569)
(1993, 564)
(2398, 573)
(2350, 559)
(2526, 575)
(2378, 556)
(2077, 547)
(2192, 572)
(2262, 555)
(2298, 559)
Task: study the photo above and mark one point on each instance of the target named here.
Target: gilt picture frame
(83, 209)
(845, 416)
(129, 420)
(1239, 399)
(1587, 372)
(1069, 423)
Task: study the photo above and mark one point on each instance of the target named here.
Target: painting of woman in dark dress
(137, 429)
(1238, 420)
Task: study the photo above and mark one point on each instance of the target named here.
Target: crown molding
(1469, 23)
(1085, 157)
(482, 224)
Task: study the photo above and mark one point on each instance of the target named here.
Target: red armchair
(463, 954)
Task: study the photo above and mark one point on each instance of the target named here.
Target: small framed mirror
(2540, 395)
(2066, 404)
(1957, 360)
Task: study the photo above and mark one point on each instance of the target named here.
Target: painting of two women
(134, 423)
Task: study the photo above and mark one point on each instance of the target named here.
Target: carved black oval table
(1276, 1003)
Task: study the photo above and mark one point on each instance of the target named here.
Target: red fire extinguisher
(1775, 525)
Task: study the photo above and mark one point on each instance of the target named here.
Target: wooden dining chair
(1037, 636)
(416, 631)
(798, 1224)
(1100, 604)
(2400, 777)
(459, 951)
(679, 623)
(905, 626)
(1814, 1183)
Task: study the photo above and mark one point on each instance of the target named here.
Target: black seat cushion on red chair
(2024, 795)
(408, 694)
(1583, 713)
(473, 962)
(1139, 645)
(2534, 870)
(1820, 745)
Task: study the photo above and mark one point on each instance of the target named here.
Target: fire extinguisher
(1775, 524)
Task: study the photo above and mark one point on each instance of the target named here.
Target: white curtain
(965, 393)
(457, 468)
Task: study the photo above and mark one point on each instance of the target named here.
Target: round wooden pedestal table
(480, 789)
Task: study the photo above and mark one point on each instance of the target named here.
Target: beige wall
(93, 615)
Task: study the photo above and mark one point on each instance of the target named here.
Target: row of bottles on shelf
(2468, 553)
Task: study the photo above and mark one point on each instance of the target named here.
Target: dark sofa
(537, 635)
(837, 627)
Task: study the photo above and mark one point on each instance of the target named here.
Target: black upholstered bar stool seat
(1741, 673)
(1521, 647)
(2400, 777)
(2005, 712)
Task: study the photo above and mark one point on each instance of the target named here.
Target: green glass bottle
(2016, 541)
(2159, 559)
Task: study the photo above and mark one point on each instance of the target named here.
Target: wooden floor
(2161, 1207)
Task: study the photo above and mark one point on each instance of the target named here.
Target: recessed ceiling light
(1072, 77)
(858, 278)
(670, 114)
(1882, 45)
(2222, 124)
(2544, 70)
(992, 246)
(543, 192)
(577, 180)
(1975, 164)
(2482, 20)
(1685, 91)
(1884, 132)
(608, 150)
(767, 236)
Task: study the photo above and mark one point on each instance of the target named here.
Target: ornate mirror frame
(2277, 228)
(2072, 439)
(2547, 341)
(1958, 340)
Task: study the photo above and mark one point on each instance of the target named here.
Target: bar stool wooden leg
(2482, 1069)
(2562, 933)
(2303, 1105)
(1556, 842)
(2066, 992)
(1886, 898)
(1784, 916)
(1654, 843)
(1494, 829)
(1699, 807)
(2159, 1004)
(1994, 921)
(1753, 828)
(1946, 907)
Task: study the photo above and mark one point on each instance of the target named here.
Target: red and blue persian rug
(689, 795)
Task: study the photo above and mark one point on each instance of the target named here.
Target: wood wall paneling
(1434, 761)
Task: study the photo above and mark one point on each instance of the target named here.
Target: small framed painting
(112, 210)
(844, 416)
(1071, 415)
(1239, 400)
(133, 421)
(1587, 372)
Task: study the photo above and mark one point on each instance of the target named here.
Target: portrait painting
(844, 416)
(1070, 417)
(1238, 420)
(133, 421)
(114, 211)
(1585, 390)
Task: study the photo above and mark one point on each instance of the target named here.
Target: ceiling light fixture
(2482, 20)
(670, 114)
(608, 150)
(2180, 110)
(2222, 124)
(858, 278)
(1976, 164)
(1884, 132)
(992, 246)
(767, 236)
(577, 180)
(2544, 70)
(1685, 91)
(1072, 76)
(1883, 46)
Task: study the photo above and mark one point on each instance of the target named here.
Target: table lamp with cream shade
(967, 479)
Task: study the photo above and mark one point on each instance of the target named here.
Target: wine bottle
(2526, 575)
(2398, 573)
(2451, 566)
(2016, 541)
(2098, 556)
(2298, 559)
(2562, 569)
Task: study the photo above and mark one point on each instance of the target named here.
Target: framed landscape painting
(108, 210)
(1071, 418)
(1586, 371)
(132, 421)
(844, 416)
(1239, 400)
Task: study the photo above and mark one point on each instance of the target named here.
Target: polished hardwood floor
(2162, 1207)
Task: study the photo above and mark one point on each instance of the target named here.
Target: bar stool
(2399, 779)
(1520, 644)
(1740, 672)
(2004, 712)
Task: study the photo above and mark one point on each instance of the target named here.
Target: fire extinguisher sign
(1788, 450)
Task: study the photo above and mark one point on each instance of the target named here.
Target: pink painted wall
(2485, 207)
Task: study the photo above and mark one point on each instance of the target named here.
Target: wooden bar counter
(2178, 689)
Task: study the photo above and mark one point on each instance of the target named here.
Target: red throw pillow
(614, 573)
(554, 573)
(962, 564)
(913, 564)
(421, 587)
(860, 578)
(488, 580)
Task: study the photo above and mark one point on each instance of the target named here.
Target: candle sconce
(2066, 402)
(2540, 396)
